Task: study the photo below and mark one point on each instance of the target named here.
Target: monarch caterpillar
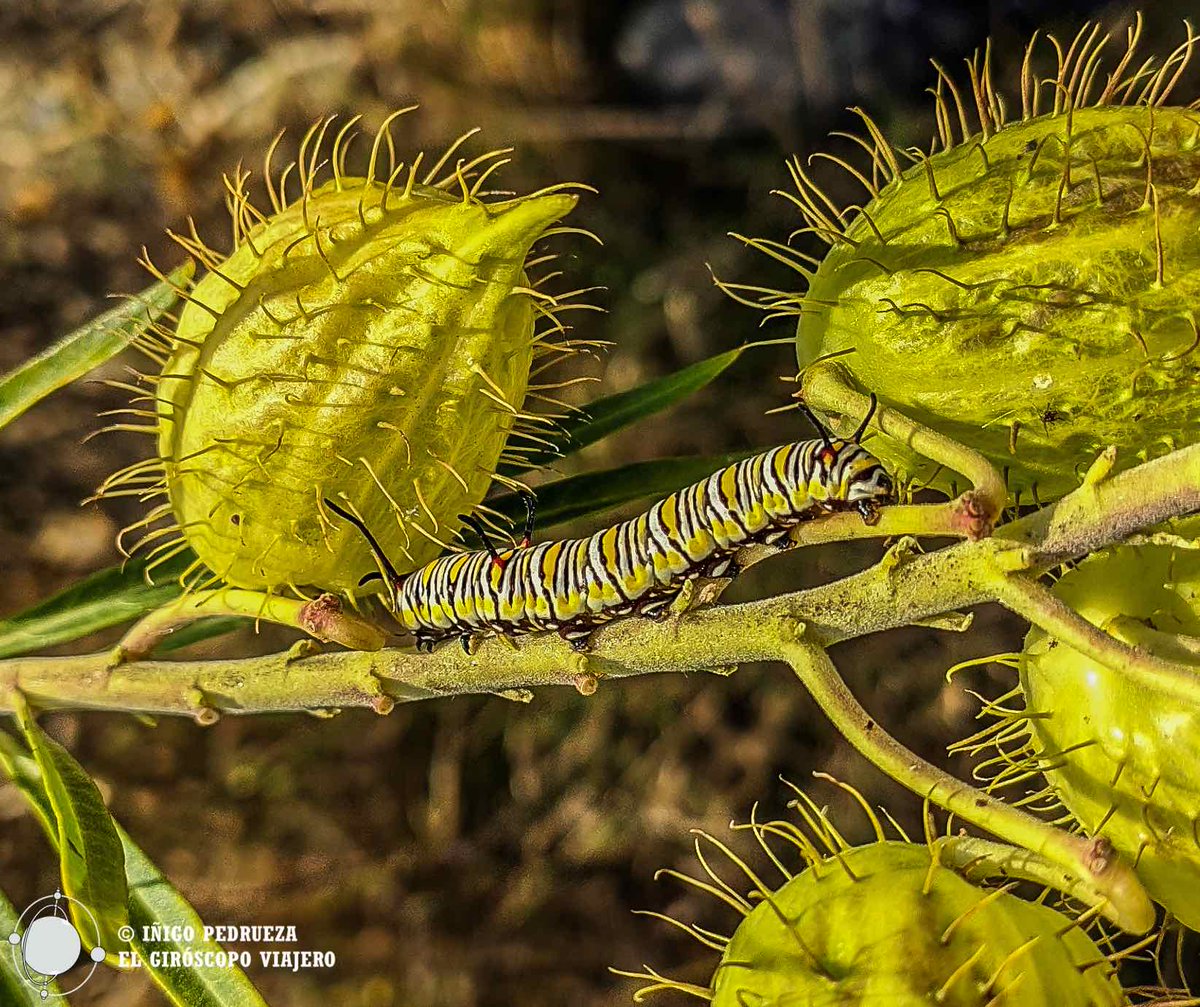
(638, 566)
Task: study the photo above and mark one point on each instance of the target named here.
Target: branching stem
(912, 589)
(972, 515)
(981, 860)
(1045, 609)
(975, 512)
(323, 617)
(1094, 869)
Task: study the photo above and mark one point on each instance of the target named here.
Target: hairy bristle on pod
(1121, 758)
(882, 923)
(1026, 284)
(370, 339)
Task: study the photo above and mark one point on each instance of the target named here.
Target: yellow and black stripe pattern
(638, 566)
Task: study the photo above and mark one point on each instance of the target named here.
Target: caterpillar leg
(577, 636)
(721, 566)
(869, 509)
(777, 537)
(659, 606)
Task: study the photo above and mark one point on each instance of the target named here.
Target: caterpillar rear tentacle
(636, 567)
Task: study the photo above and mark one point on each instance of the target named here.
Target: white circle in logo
(46, 943)
(51, 945)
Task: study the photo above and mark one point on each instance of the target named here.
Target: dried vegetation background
(476, 851)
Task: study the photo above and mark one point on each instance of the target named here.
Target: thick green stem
(981, 859)
(1091, 863)
(1099, 514)
(972, 515)
(912, 590)
(1045, 609)
(1180, 647)
(917, 520)
(323, 618)
(907, 588)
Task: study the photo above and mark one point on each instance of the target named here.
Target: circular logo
(45, 943)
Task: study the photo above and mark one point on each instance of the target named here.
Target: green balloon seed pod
(1028, 287)
(1122, 758)
(883, 923)
(370, 340)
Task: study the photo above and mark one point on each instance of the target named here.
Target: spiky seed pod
(1028, 285)
(370, 340)
(885, 923)
(1122, 758)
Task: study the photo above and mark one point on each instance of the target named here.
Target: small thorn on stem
(206, 716)
(301, 649)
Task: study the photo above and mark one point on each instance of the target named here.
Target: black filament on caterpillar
(638, 566)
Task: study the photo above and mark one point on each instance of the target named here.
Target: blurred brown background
(469, 852)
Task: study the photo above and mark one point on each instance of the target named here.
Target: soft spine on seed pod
(1122, 759)
(1026, 285)
(373, 340)
(882, 923)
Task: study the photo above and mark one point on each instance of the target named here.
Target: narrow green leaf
(86, 348)
(108, 598)
(89, 852)
(22, 770)
(606, 415)
(19, 767)
(14, 990)
(596, 492)
(153, 901)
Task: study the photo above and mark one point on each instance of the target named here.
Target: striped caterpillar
(638, 566)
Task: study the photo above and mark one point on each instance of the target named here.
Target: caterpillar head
(840, 472)
(856, 477)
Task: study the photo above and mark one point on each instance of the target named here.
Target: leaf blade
(72, 356)
(91, 859)
(611, 413)
(108, 598)
(152, 900)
